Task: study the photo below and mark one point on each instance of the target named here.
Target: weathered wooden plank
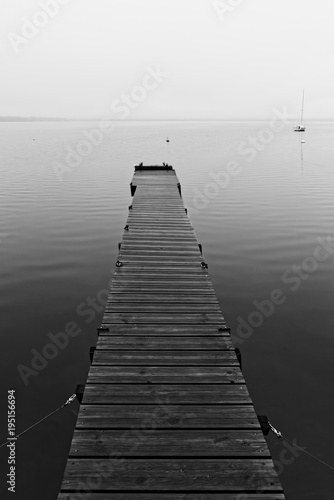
(138, 210)
(142, 201)
(132, 241)
(166, 278)
(173, 496)
(169, 283)
(194, 258)
(166, 394)
(166, 214)
(155, 307)
(159, 235)
(142, 198)
(161, 184)
(160, 197)
(135, 241)
(163, 206)
(138, 237)
(179, 242)
(151, 220)
(166, 218)
(169, 443)
(186, 358)
(142, 251)
(181, 224)
(175, 298)
(156, 182)
(141, 342)
(164, 375)
(161, 200)
(159, 226)
(220, 475)
(163, 272)
(155, 189)
(158, 194)
(178, 267)
(161, 193)
(156, 225)
(171, 417)
(145, 248)
(165, 330)
(154, 211)
(201, 283)
(128, 317)
(161, 306)
(169, 268)
(129, 287)
(169, 205)
(162, 181)
(150, 229)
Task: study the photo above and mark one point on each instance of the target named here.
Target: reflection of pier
(165, 412)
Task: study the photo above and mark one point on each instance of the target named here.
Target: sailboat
(301, 127)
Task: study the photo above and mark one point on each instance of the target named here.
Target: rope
(68, 402)
(280, 435)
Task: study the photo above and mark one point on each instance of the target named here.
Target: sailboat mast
(301, 118)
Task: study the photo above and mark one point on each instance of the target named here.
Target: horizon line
(52, 118)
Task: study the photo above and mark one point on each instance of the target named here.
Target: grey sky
(255, 56)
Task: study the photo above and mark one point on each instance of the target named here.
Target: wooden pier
(165, 413)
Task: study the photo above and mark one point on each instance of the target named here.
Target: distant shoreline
(186, 120)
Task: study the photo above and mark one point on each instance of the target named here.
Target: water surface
(58, 246)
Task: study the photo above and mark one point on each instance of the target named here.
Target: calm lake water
(260, 231)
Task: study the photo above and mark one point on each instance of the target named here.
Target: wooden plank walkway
(166, 414)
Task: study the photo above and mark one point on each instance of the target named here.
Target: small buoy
(303, 141)
(167, 140)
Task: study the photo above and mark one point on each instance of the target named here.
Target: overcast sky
(110, 58)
